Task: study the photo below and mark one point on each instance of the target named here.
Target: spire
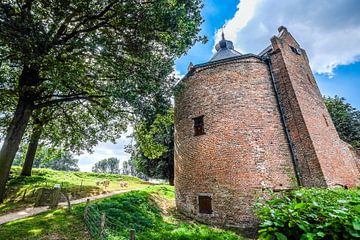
(225, 49)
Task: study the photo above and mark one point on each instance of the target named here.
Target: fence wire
(98, 228)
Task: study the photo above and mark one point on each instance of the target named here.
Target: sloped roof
(225, 49)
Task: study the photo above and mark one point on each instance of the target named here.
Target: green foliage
(48, 158)
(77, 184)
(140, 210)
(308, 214)
(155, 140)
(346, 119)
(64, 162)
(109, 165)
(153, 152)
(91, 62)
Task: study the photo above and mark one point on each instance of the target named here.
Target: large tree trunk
(28, 81)
(31, 152)
(12, 141)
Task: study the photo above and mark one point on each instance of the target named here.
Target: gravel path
(35, 210)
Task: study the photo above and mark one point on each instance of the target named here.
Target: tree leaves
(310, 214)
(346, 119)
(109, 165)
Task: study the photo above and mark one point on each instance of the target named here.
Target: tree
(128, 168)
(153, 152)
(93, 52)
(109, 165)
(346, 119)
(65, 162)
(72, 128)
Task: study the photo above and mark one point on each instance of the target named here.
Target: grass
(57, 224)
(150, 212)
(21, 191)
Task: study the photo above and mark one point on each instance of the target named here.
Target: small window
(199, 126)
(295, 50)
(205, 206)
(311, 82)
(326, 121)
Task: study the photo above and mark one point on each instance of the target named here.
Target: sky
(329, 31)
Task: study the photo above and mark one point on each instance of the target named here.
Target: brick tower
(245, 123)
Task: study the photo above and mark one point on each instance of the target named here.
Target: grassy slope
(150, 211)
(77, 184)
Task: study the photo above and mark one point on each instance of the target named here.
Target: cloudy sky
(329, 30)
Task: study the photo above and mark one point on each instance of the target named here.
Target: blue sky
(328, 30)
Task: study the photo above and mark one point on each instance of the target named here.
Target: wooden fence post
(102, 226)
(132, 234)
(86, 208)
(68, 201)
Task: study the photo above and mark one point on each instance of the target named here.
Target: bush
(310, 214)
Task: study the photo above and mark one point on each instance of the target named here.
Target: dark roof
(225, 49)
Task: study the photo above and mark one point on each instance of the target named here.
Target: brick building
(245, 123)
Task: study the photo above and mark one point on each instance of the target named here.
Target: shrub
(310, 214)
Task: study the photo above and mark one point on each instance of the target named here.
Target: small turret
(225, 49)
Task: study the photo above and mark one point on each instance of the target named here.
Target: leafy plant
(310, 214)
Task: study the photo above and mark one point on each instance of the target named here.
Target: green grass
(150, 212)
(21, 191)
(57, 224)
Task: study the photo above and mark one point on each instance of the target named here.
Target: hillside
(150, 212)
(22, 191)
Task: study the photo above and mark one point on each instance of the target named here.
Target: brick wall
(244, 150)
(324, 159)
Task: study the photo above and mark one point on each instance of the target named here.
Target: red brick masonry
(266, 127)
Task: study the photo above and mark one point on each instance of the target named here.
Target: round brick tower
(230, 142)
(246, 123)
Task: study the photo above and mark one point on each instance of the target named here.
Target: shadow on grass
(56, 224)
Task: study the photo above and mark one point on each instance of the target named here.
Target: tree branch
(67, 99)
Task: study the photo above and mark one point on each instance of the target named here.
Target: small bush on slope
(311, 214)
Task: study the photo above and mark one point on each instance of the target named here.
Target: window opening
(295, 50)
(205, 204)
(326, 121)
(199, 126)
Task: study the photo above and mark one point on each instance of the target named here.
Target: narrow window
(199, 126)
(205, 206)
(326, 121)
(309, 79)
(295, 50)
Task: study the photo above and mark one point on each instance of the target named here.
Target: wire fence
(101, 226)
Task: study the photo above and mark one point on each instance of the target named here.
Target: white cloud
(244, 14)
(106, 150)
(328, 30)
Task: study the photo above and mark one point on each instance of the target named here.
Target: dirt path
(35, 210)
